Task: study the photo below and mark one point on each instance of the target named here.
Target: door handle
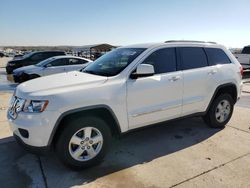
(212, 72)
(174, 78)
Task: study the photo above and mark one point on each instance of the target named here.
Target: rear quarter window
(217, 56)
(76, 61)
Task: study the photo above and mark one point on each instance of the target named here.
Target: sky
(123, 22)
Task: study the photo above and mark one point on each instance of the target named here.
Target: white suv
(131, 87)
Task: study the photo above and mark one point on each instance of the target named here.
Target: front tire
(220, 111)
(83, 142)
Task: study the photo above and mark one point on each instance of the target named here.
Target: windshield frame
(113, 58)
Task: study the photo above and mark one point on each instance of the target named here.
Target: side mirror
(48, 65)
(143, 70)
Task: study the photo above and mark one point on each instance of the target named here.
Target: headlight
(35, 106)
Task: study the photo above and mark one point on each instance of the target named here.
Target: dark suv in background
(31, 59)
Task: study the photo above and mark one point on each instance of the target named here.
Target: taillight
(241, 70)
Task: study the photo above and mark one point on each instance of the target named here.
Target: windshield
(113, 62)
(44, 62)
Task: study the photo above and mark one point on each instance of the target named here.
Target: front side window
(217, 56)
(45, 62)
(113, 62)
(193, 57)
(163, 60)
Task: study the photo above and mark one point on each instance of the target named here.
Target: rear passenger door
(198, 79)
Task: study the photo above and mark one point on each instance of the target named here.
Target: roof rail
(168, 41)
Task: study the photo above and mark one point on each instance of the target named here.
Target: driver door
(156, 98)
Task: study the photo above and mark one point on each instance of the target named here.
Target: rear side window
(246, 50)
(59, 62)
(76, 61)
(193, 57)
(163, 60)
(217, 56)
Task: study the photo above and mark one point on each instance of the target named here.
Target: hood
(27, 69)
(15, 61)
(59, 82)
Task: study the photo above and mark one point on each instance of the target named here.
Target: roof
(47, 51)
(100, 47)
(188, 41)
(172, 43)
(143, 45)
(68, 56)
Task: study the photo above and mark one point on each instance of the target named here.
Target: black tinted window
(37, 57)
(216, 56)
(57, 53)
(193, 57)
(58, 62)
(163, 60)
(246, 50)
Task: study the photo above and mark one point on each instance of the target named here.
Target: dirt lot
(183, 153)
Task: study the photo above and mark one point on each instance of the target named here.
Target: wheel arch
(229, 88)
(102, 111)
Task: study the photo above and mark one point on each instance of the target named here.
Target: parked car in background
(77, 113)
(1, 54)
(31, 59)
(53, 65)
(244, 57)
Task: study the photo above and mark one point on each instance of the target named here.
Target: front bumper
(16, 78)
(19, 78)
(32, 149)
(38, 125)
(9, 69)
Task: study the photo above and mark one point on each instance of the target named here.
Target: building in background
(92, 51)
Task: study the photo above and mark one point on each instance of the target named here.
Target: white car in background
(244, 57)
(53, 65)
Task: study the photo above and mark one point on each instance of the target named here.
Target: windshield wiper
(90, 72)
(97, 73)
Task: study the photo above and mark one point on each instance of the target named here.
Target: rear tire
(220, 111)
(78, 147)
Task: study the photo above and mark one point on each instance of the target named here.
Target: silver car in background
(53, 65)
